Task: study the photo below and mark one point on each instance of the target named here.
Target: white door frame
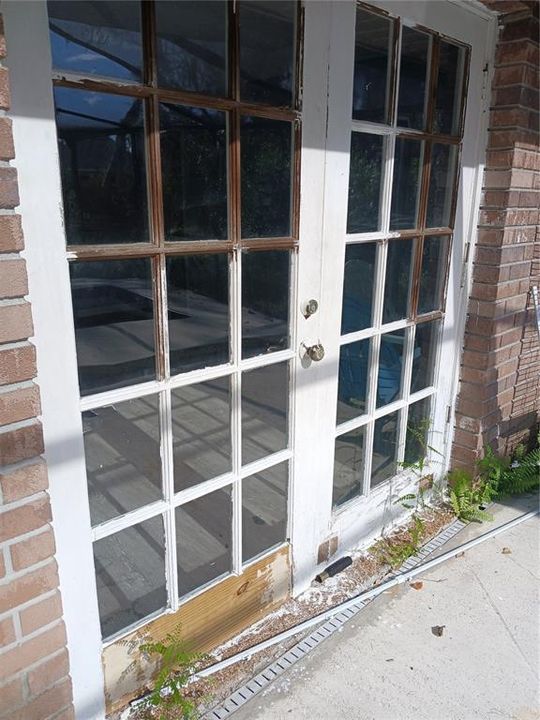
(328, 74)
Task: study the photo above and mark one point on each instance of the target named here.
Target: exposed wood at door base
(206, 621)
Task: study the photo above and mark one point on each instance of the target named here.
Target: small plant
(469, 495)
(176, 665)
(523, 474)
(395, 552)
(419, 432)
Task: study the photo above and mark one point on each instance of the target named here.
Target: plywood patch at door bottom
(208, 620)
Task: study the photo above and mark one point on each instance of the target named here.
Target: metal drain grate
(302, 648)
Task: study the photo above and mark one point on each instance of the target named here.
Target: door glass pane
(406, 184)
(113, 310)
(433, 274)
(130, 575)
(372, 42)
(102, 163)
(265, 302)
(358, 287)
(364, 183)
(192, 45)
(441, 185)
(201, 428)
(265, 400)
(267, 40)
(391, 357)
(413, 78)
(425, 351)
(123, 461)
(264, 510)
(203, 540)
(266, 154)
(418, 426)
(194, 170)
(353, 380)
(198, 309)
(96, 38)
(348, 466)
(448, 102)
(384, 465)
(398, 278)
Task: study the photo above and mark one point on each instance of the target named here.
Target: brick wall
(34, 672)
(499, 396)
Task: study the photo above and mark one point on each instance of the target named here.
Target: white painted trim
(34, 131)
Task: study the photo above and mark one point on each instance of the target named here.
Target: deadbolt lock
(315, 352)
(310, 307)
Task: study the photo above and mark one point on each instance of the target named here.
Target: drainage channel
(307, 644)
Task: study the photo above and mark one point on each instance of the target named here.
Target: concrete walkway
(387, 664)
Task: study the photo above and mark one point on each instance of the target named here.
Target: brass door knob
(315, 352)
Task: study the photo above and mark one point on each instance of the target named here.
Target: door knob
(315, 352)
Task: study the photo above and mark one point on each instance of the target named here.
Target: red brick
(4, 89)
(21, 444)
(25, 518)
(48, 673)
(33, 550)
(67, 714)
(7, 632)
(11, 696)
(11, 236)
(13, 279)
(29, 586)
(9, 192)
(7, 150)
(15, 322)
(48, 704)
(24, 481)
(20, 404)
(17, 364)
(40, 614)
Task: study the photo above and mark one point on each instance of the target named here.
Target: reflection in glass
(418, 426)
(123, 462)
(264, 510)
(191, 45)
(364, 183)
(406, 184)
(433, 274)
(413, 78)
(102, 163)
(358, 287)
(203, 540)
(353, 379)
(398, 278)
(198, 308)
(267, 40)
(95, 38)
(265, 400)
(194, 171)
(266, 154)
(424, 353)
(391, 357)
(348, 466)
(372, 41)
(130, 575)
(450, 80)
(113, 310)
(201, 430)
(441, 185)
(384, 462)
(265, 302)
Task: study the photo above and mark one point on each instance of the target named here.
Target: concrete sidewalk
(387, 664)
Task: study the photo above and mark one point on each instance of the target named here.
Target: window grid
(157, 250)
(382, 236)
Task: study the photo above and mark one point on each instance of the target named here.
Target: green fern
(467, 496)
(522, 476)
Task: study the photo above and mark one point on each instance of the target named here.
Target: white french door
(392, 110)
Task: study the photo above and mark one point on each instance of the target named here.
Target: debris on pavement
(438, 630)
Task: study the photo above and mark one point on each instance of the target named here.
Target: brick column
(499, 395)
(34, 667)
